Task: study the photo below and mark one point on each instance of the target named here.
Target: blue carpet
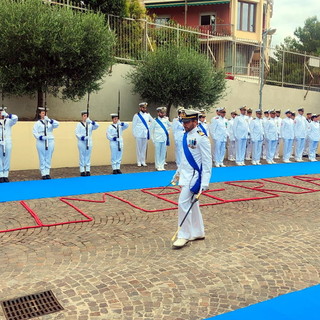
(26, 190)
(299, 305)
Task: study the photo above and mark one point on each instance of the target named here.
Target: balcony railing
(218, 30)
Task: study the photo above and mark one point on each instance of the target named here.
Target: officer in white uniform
(278, 121)
(194, 176)
(249, 144)
(305, 152)
(219, 131)
(313, 136)
(240, 131)
(83, 132)
(6, 123)
(287, 136)
(178, 131)
(203, 126)
(231, 138)
(114, 135)
(264, 143)
(141, 131)
(272, 136)
(300, 133)
(159, 132)
(42, 131)
(256, 134)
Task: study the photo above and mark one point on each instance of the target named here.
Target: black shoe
(119, 171)
(1, 180)
(44, 177)
(6, 179)
(82, 174)
(88, 173)
(48, 177)
(114, 171)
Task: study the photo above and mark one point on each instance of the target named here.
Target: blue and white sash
(193, 164)
(145, 124)
(203, 129)
(164, 129)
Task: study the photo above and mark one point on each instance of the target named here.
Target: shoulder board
(201, 133)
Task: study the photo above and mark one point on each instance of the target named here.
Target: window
(247, 16)
(207, 20)
(162, 20)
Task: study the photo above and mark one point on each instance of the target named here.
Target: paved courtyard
(121, 265)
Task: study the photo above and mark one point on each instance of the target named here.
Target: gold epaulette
(201, 133)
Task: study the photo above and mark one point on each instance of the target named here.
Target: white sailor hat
(142, 104)
(223, 110)
(189, 114)
(43, 109)
(287, 111)
(2, 108)
(162, 109)
(272, 111)
(180, 109)
(233, 112)
(218, 109)
(266, 111)
(301, 109)
(84, 112)
(243, 108)
(259, 111)
(114, 115)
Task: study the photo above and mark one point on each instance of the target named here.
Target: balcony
(217, 30)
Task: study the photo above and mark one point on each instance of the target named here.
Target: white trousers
(278, 147)
(287, 149)
(299, 146)
(160, 151)
(141, 149)
(271, 149)
(177, 151)
(249, 148)
(84, 155)
(116, 155)
(219, 151)
(5, 159)
(193, 224)
(45, 156)
(240, 149)
(313, 146)
(256, 150)
(231, 150)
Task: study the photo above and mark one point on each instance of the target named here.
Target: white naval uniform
(42, 131)
(199, 146)
(249, 142)
(287, 136)
(212, 145)
(178, 130)
(159, 138)
(85, 143)
(256, 134)
(278, 121)
(114, 135)
(204, 125)
(240, 131)
(219, 131)
(300, 133)
(140, 133)
(231, 141)
(313, 135)
(272, 136)
(265, 142)
(6, 143)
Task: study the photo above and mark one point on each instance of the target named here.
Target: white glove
(2, 143)
(204, 188)
(118, 139)
(44, 138)
(88, 120)
(86, 138)
(46, 118)
(50, 138)
(175, 178)
(4, 114)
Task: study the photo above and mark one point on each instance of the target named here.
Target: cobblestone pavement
(121, 265)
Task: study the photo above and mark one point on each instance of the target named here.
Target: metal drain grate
(31, 306)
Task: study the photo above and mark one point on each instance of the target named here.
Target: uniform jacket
(219, 129)
(39, 128)
(5, 127)
(157, 133)
(256, 129)
(114, 129)
(271, 129)
(300, 126)
(177, 129)
(286, 129)
(81, 130)
(138, 128)
(240, 127)
(314, 131)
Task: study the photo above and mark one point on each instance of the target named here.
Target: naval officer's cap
(114, 115)
(42, 109)
(301, 109)
(2, 108)
(234, 112)
(259, 111)
(180, 109)
(143, 104)
(84, 112)
(288, 111)
(162, 109)
(249, 110)
(189, 115)
(266, 112)
(272, 111)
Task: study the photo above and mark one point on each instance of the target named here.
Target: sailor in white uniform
(249, 144)
(6, 123)
(114, 135)
(272, 136)
(287, 136)
(84, 130)
(231, 138)
(313, 135)
(194, 176)
(203, 126)
(219, 131)
(300, 133)
(178, 131)
(256, 134)
(159, 133)
(240, 131)
(140, 128)
(42, 131)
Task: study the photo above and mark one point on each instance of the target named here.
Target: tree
(47, 48)
(178, 77)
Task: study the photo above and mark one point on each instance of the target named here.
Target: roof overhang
(180, 3)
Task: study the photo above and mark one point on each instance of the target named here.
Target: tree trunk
(169, 109)
(40, 101)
